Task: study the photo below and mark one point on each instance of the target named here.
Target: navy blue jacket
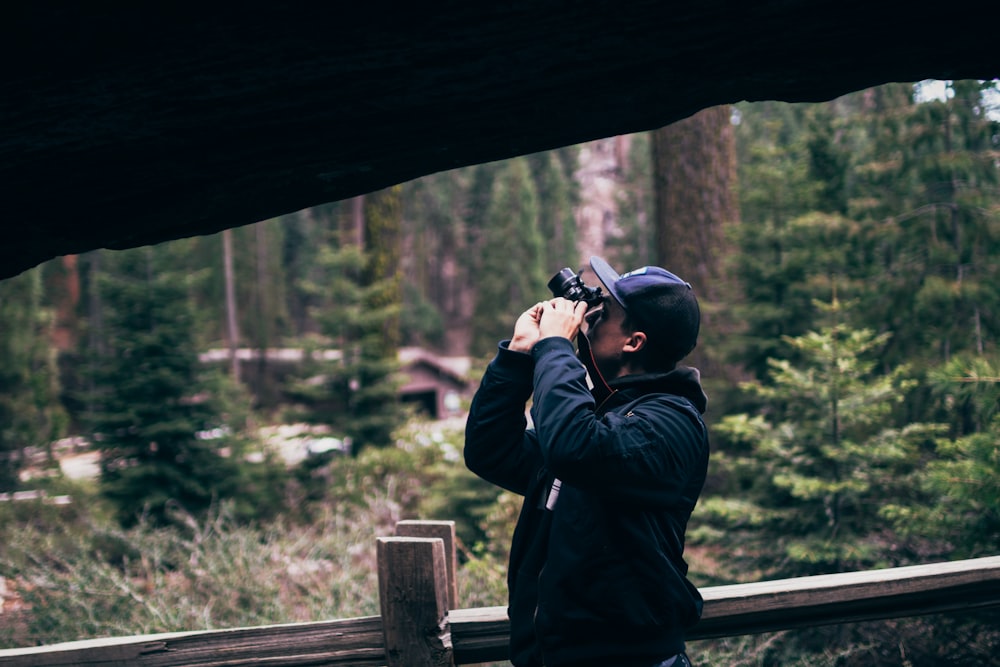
(597, 574)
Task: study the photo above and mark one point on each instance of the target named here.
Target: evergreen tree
(927, 189)
(434, 239)
(557, 197)
(511, 274)
(828, 158)
(30, 414)
(153, 404)
(772, 262)
(356, 394)
(961, 513)
(818, 462)
(304, 236)
(376, 404)
(961, 487)
(892, 201)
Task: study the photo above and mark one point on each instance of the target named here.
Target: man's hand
(526, 332)
(561, 317)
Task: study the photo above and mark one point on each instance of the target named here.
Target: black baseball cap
(661, 303)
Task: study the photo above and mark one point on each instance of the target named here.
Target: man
(609, 475)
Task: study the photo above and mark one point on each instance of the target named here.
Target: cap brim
(608, 277)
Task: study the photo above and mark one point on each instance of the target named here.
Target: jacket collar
(682, 381)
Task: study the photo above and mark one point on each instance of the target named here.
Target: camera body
(568, 285)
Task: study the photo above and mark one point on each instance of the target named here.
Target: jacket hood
(682, 381)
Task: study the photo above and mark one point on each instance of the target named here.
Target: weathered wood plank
(413, 594)
(446, 531)
(481, 635)
(353, 642)
(851, 596)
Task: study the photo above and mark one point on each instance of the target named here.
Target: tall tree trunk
(62, 278)
(694, 166)
(357, 221)
(265, 315)
(232, 330)
(383, 222)
(598, 179)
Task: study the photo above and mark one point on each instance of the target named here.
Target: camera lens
(564, 284)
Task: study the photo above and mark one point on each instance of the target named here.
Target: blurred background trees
(31, 415)
(163, 424)
(846, 254)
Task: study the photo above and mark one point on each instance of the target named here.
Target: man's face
(608, 337)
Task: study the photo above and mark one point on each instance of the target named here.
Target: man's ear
(636, 341)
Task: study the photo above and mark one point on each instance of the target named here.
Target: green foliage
(355, 394)
(264, 256)
(821, 459)
(382, 272)
(962, 482)
(421, 477)
(511, 256)
(782, 252)
(927, 182)
(81, 576)
(153, 404)
(198, 574)
(30, 414)
(891, 201)
(968, 387)
(553, 176)
(421, 323)
(828, 463)
(434, 229)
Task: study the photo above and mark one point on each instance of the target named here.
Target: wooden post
(446, 531)
(413, 594)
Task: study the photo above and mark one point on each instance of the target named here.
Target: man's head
(658, 304)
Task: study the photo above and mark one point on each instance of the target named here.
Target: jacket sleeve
(498, 445)
(649, 454)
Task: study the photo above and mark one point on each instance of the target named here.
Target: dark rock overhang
(125, 124)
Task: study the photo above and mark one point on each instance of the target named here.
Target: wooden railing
(421, 626)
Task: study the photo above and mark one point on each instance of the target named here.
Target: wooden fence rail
(420, 626)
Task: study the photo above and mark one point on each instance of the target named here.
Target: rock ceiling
(124, 125)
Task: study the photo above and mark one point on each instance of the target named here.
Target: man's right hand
(526, 332)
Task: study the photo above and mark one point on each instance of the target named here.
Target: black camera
(568, 285)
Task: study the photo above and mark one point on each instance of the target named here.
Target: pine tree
(511, 275)
(356, 395)
(556, 199)
(376, 404)
(434, 239)
(152, 403)
(30, 414)
(927, 188)
(819, 461)
(772, 260)
(961, 482)
(961, 488)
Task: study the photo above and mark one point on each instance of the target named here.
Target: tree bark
(694, 167)
(232, 330)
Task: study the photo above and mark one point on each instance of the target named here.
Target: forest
(847, 259)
